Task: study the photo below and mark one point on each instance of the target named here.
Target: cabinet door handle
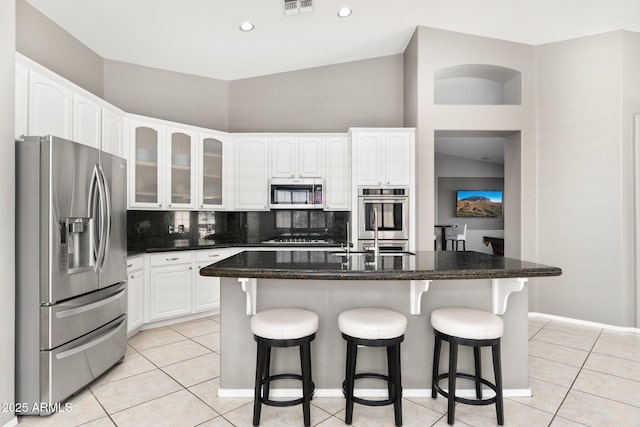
(190, 268)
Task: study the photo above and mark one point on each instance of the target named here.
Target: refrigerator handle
(95, 232)
(106, 197)
(101, 221)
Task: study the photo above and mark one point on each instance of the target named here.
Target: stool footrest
(460, 399)
(370, 402)
(284, 403)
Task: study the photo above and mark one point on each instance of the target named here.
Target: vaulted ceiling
(202, 37)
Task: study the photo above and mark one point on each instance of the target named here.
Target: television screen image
(479, 204)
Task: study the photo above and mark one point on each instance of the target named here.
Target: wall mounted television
(479, 203)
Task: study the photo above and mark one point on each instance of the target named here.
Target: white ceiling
(201, 37)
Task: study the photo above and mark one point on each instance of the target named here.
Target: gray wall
(324, 99)
(182, 98)
(586, 102)
(7, 205)
(436, 50)
(40, 39)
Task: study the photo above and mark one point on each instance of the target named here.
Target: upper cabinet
(113, 131)
(337, 181)
(22, 93)
(47, 104)
(87, 121)
(50, 107)
(144, 165)
(162, 173)
(297, 156)
(383, 157)
(213, 168)
(180, 169)
(477, 84)
(251, 172)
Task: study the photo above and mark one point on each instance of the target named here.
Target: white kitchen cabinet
(145, 179)
(206, 291)
(135, 293)
(50, 107)
(383, 157)
(87, 121)
(162, 174)
(251, 167)
(170, 285)
(180, 169)
(113, 131)
(297, 156)
(337, 182)
(213, 170)
(22, 93)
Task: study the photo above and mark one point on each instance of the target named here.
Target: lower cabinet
(175, 287)
(170, 285)
(135, 293)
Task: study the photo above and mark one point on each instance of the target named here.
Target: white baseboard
(585, 322)
(172, 321)
(368, 393)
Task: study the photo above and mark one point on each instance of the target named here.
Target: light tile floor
(580, 376)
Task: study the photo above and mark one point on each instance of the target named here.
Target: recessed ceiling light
(246, 26)
(344, 12)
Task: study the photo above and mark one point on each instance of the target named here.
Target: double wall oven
(392, 213)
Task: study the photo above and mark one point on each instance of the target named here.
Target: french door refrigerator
(71, 255)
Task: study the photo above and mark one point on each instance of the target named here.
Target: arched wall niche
(477, 84)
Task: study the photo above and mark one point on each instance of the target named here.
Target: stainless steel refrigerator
(71, 253)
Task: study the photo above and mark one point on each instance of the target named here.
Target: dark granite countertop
(441, 265)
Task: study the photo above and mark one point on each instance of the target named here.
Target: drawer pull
(129, 265)
(173, 259)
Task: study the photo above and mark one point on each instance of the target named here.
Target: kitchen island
(331, 282)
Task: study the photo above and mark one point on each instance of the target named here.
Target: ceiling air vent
(296, 7)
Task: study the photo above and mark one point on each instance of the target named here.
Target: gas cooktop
(297, 241)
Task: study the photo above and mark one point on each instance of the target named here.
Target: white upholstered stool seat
(372, 323)
(284, 323)
(467, 323)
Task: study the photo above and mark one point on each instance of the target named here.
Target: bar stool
(283, 327)
(476, 328)
(373, 327)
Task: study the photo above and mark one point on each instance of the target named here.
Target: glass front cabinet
(211, 149)
(144, 191)
(163, 171)
(181, 155)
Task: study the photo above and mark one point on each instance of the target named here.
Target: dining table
(443, 234)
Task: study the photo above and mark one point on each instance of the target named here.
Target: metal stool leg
(476, 359)
(352, 354)
(453, 368)
(397, 377)
(257, 395)
(497, 369)
(436, 363)
(305, 357)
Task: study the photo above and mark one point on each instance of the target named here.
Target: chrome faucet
(348, 238)
(376, 248)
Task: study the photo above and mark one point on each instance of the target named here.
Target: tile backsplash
(173, 229)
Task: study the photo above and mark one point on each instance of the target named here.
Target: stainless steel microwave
(291, 193)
